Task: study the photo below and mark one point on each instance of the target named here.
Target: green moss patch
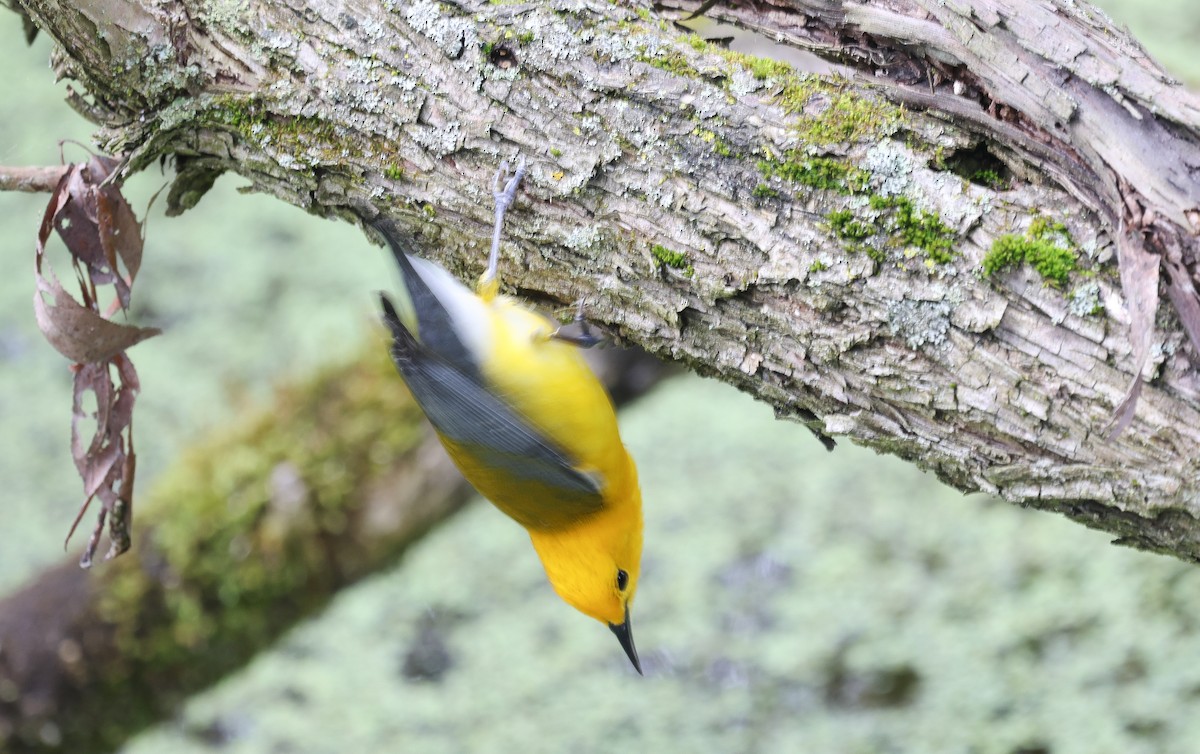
(848, 117)
(893, 217)
(898, 222)
(672, 61)
(760, 67)
(991, 179)
(676, 260)
(827, 110)
(848, 228)
(252, 118)
(718, 144)
(306, 138)
(237, 538)
(697, 42)
(916, 227)
(831, 113)
(817, 172)
(1046, 246)
(334, 443)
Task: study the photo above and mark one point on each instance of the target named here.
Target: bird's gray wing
(480, 423)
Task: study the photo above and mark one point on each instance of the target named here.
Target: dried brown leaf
(58, 199)
(77, 332)
(107, 464)
(120, 235)
(97, 460)
(100, 230)
(77, 225)
(119, 529)
(105, 240)
(101, 167)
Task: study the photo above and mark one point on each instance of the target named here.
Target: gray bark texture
(819, 242)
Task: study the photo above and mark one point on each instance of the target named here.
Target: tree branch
(31, 180)
(803, 238)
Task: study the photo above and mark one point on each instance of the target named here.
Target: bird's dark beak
(625, 636)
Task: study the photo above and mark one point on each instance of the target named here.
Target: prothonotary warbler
(526, 421)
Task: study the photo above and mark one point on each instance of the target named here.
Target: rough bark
(672, 186)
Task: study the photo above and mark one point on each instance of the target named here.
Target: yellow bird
(526, 421)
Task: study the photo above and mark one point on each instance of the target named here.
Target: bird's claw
(585, 338)
(504, 197)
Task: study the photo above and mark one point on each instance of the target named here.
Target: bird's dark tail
(401, 245)
(431, 316)
(404, 345)
(430, 327)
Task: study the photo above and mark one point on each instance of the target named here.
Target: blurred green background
(791, 599)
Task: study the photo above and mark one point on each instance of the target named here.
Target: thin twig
(32, 180)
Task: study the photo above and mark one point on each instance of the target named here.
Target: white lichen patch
(493, 73)
(652, 47)
(896, 171)
(373, 31)
(1160, 352)
(890, 165)
(226, 15)
(1085, 300)
(440, 140)
(710, 102)
(182, 110)
(582, 238)
(553, 41)
(617, 48)
(743, 82)
(360, 90)
(920, 322)
(156, 72)
(451, 34)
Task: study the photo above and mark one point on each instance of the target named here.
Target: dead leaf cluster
(105, 242)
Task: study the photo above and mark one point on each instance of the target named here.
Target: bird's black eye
(622, 580)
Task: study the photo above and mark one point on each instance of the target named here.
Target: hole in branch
(979, 166)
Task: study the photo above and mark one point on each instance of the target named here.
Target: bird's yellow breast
(547, 382)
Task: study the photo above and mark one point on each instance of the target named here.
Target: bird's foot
(584, 337)
(504, 198)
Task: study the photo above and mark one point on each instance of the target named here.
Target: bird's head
(594, 568)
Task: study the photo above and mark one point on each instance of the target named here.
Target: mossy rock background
(790, 599)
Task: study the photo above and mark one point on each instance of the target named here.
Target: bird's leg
(584, 338)
(504, 199)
